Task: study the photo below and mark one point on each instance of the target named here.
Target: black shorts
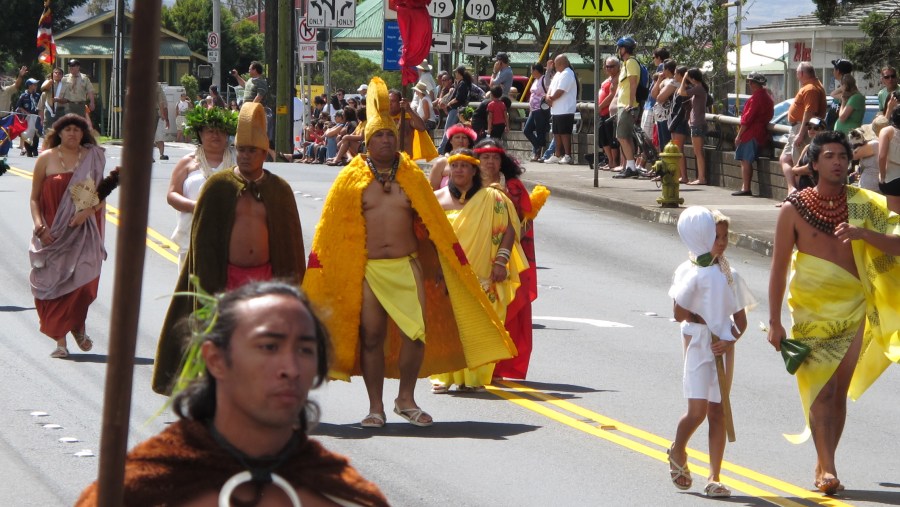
(498, 130)
(563, 123)
(606, 132)
(891, 188)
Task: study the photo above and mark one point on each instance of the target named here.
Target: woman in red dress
(67, 248)
(498, 168)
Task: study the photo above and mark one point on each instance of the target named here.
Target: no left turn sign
(306, 33)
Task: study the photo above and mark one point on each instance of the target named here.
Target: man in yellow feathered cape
(386, 273)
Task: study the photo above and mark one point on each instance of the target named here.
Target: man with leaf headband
(245, 228)
(386, 271)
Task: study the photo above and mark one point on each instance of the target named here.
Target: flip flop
(716, 490)
(677, 471)
(412, 415)
(440, 389)
(376, 420)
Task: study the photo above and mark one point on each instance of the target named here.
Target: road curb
(665, 216)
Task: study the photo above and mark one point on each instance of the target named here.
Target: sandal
(375, 420)
(677, 471)
(716, 490)
(60, 353)
(440, 389)
(83, 341)
(412, 415)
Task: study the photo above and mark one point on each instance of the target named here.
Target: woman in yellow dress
(487, 226)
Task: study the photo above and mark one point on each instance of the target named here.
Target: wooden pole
(726, 392)
(140, 124)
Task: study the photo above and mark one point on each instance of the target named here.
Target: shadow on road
(882, 497)
(4, 309)
(476, 430)
(567, 388)
(102, 359)
(745, 500)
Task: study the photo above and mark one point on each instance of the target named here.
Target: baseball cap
(362, 88)
(73, 61)
(503, 57)
(756, 77)
(843, 66)
(31, 81)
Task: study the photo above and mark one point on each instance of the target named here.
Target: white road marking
(590, 322)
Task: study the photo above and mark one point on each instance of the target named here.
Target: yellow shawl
(460, 331)
(487, 215)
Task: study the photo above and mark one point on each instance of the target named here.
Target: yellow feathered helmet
(378, 105)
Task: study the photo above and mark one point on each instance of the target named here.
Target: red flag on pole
(415, 32)
(45, 36)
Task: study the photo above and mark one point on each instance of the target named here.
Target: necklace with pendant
(385, 178)
(62, 161)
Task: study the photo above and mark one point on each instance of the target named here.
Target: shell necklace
(62, 161)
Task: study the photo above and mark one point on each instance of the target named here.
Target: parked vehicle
(731, 99)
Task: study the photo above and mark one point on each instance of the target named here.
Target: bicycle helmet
(626, 42)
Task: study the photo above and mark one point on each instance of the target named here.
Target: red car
(519, 83)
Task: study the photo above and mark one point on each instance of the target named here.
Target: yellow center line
(155, 241)
(603, 430)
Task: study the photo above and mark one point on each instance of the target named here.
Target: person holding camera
(606, 129)
(256, 88)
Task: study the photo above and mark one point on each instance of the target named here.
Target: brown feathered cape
(184, 462)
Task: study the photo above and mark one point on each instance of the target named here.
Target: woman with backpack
(538, 122)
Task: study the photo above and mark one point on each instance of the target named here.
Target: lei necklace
(384, 178)
(822, 212)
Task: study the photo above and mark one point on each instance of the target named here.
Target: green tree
(18, 28)
(879, 47)
(193, 20)
(95, 7)
(191, 86)
(349, 70)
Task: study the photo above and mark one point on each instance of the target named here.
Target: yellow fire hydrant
(667, 169)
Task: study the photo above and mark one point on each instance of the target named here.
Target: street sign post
(480, 10)
(331, 14)
(598, 9)
(441, 8)
(441, 43)
(477, 45)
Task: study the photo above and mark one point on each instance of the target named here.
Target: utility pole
(283, 95)
(217, 25)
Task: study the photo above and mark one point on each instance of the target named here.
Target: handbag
(794, 353)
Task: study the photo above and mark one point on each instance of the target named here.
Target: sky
(759, 12)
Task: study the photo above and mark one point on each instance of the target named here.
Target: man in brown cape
(246, 227)
(246, 418)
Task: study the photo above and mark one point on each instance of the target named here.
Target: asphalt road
(589, 427)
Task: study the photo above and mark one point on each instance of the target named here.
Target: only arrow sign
(479, 45)
(345, 7)
(318, 7)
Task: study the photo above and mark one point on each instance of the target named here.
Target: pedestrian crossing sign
(598, 9)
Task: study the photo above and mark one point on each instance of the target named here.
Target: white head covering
(705, 290)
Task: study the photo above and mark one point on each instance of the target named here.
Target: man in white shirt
(562, 97)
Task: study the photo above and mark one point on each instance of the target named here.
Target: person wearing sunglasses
(891, 84)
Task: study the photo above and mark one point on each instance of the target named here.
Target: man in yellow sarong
(386, 271)
(842, 294)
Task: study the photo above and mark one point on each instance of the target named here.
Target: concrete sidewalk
(752, 218)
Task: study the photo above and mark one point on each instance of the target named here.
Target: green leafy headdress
(215, 117)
